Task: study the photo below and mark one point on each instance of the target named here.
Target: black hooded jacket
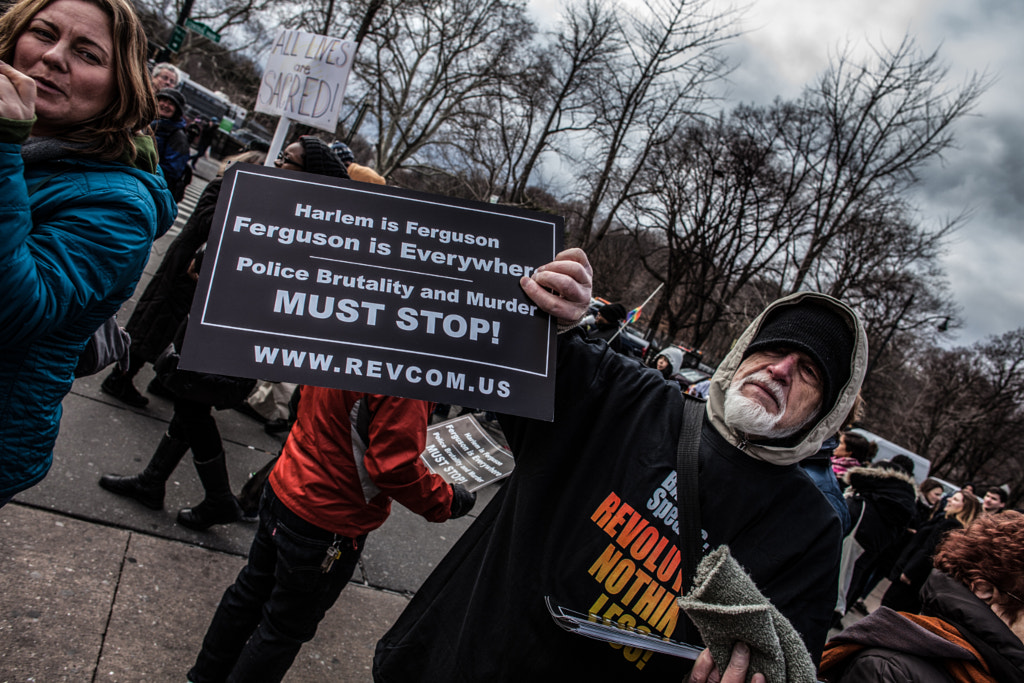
(887, 499)
(168, 297)
(588, 518)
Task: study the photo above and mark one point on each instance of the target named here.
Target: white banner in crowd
(461, 452)
(304, 78)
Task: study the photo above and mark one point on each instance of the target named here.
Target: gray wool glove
(726, 606)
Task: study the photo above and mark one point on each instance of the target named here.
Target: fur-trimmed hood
(890, 493)
(864, 479)
(831, 420)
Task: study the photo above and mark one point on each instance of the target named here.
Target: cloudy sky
(786, 43)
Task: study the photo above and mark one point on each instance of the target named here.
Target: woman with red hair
(971, 624)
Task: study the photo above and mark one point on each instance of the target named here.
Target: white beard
(750, 417)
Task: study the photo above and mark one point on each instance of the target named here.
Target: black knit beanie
(613, 313)
(318, 158)
(817, 330)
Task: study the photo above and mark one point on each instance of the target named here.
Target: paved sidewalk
(82, 601)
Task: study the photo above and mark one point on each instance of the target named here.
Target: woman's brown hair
(860, 447)
(990, 549)
(110, 134)
(970, 510)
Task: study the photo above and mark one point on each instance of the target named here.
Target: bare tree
(250, 19)
(576, 61)
(701, 217)
(964, 409)
(670, 57)
(536, 103)
(424, 63)
(874, 127)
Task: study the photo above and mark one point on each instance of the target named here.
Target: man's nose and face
(164, 79)
(991, 502)
(782, 380)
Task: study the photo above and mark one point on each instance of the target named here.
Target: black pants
(193, 423)
(278, 599)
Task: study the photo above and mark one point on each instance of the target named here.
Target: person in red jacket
(348, 455)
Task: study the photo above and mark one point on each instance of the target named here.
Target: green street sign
(203, 30)
(177, 38)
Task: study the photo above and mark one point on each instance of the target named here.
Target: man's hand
(562, 287)
(705, 671)
(17, 94)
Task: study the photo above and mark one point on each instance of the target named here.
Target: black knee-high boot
(148, 487)
(119, 384)
(220, 505)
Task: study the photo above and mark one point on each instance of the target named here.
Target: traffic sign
(203, 30)
(177, 38)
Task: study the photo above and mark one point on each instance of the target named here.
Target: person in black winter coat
(928, 494)
(172, 140)
(971, 625)
(605, 469)
(881, 502)
(168, 297)
(608, 326)
(204, 139)
(193, 426)
(914, 563)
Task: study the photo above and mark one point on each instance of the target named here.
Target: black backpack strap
(687, 496)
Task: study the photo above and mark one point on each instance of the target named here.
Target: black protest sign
(463, 453)
(341, 284)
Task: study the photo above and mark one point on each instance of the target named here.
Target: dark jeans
(278, 599)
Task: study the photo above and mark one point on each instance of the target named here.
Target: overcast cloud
(786, 43)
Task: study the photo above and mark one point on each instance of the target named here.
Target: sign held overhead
(304, 79)
(327, 282)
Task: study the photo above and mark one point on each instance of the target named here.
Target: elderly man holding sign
(595, 518)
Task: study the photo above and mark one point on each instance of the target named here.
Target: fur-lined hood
(828, 424)
(864, 479)
(890, 494)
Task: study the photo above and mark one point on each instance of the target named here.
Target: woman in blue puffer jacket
(81, 201)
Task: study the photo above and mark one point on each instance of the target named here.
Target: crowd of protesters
(95, 151)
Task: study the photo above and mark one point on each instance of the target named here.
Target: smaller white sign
(305, 77)
(463, 453)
